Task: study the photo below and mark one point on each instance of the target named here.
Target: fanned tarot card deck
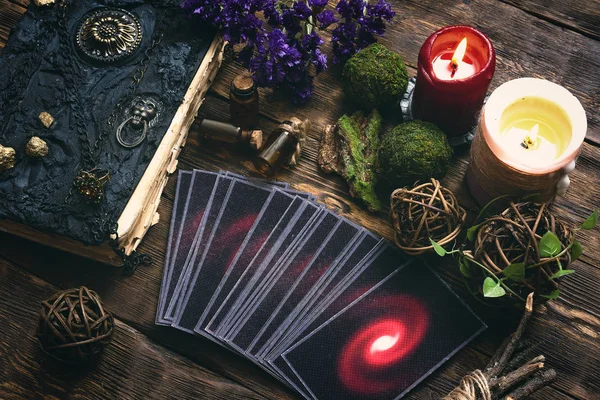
(320, 303)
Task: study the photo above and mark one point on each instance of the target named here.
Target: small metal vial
(227, 133)
(243, 102)
(278, 150)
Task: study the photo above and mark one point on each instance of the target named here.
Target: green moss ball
(414, 151)
(375, 77)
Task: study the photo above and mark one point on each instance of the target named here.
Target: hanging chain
(131, 262)
(91, 153)
(71, 73)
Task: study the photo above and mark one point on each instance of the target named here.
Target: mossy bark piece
(350, 149)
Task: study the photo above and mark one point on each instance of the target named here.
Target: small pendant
(90, 185)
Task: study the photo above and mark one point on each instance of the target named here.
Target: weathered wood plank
(135, 304)
(10, 13)
(567, 326)
(579, 16)
(135, 298)
(131, 367)
(23, 3)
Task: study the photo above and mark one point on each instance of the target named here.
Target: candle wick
(528, 142)
(454, 67)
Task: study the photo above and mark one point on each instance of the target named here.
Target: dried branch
(505, 371)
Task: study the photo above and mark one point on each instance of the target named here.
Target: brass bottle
(227, 133)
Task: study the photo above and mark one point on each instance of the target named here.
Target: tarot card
(274, 362)
(257, 181)
(273, 310)
(285, 225)
(378, 265)
(182, 190)
(236, 298)
(201, 188)
(282, 251)
(218, 196)
(271, 269)
(237, 216)
(293, 307)
(387, 341)
(281, 205)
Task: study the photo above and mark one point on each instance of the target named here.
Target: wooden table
(552, 39)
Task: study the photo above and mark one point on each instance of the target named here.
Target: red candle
(455, 68)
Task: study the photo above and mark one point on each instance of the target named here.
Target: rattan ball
(423, 212)
(74, 327)
(513, 237)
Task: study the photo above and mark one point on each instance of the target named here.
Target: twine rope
(498, 178)
(300, 129)
(470, 386)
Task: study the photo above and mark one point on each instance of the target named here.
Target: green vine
(550, 249)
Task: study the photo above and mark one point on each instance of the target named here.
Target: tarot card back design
(387, 341)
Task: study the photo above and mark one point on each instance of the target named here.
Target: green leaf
(553, 296)
(562, 272)
(515, 272)
(576, 250)
(549, 245)
(438, 249)
(591, 221)
(464, 266)
(491, 288)
(472, 232)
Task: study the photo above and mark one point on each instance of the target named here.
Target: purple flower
(206, 10)
(287, 56)
(362, 23)
(271, 13)
(302, 10)
(317, 4)
(326, 19)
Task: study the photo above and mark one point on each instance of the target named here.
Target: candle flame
(534, 132)
(459, 54)
(531, 137)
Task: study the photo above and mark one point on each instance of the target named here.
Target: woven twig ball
(74, 327)
(425, 211)
(513, 237)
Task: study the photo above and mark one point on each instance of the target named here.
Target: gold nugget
(36, 147)
(46, 119)
(40, 3)
(7, 158)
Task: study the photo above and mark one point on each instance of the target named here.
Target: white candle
(518, 106)
(530, 134)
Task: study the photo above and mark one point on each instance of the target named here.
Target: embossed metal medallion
(108, 35)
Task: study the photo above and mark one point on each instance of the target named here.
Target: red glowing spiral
(374, 350)
(231, 240)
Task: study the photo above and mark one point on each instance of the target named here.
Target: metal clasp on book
(140, 116)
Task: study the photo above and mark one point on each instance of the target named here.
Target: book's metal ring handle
(136, 142)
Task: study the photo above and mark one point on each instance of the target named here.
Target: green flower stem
(492, 275)
(488, 205)
(545, 261)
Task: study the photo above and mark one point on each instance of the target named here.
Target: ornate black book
(111, 88)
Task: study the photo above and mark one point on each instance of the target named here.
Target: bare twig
(502, 384)
(540, 380)
(514, 340)
(510, 367)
